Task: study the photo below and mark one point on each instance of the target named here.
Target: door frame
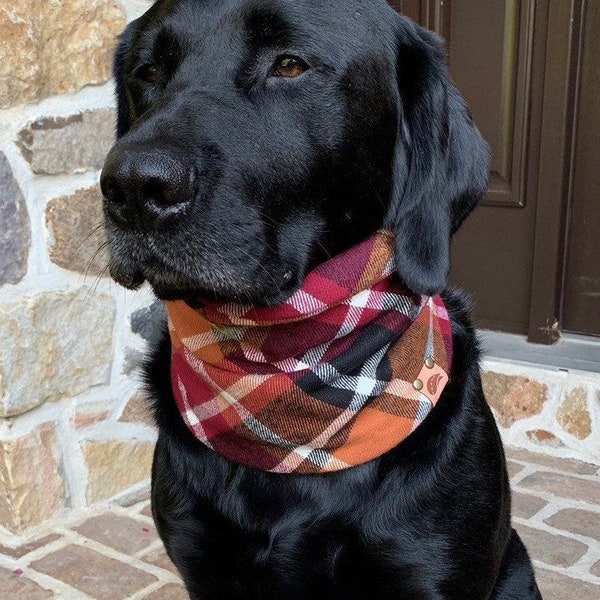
(563, 49)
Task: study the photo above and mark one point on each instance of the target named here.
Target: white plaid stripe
(441, 313)
(364, 385)
(237, 312)
(253, 354)
(291, 365)
(425, 406)
(319, 457)
(353, 315)
(373, 300)
(189, 416)
(306, 303)
(216, 335)
(429, 353)
(390, 267)
(362, 299)
(402, 389)
(315, 355)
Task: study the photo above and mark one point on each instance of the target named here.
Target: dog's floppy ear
(119, 64)
(441, 165)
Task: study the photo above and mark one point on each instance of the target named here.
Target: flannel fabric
(336, 376)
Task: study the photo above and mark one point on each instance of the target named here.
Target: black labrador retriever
(258, 138)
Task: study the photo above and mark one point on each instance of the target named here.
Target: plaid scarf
(336, 376)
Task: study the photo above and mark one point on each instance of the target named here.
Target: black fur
(228, 181)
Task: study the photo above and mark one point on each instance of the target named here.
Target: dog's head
(259, 137)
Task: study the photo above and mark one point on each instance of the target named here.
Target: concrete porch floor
(116, 555)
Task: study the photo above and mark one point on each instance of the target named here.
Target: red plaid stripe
(339, 374)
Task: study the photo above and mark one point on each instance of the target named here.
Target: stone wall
(544, 409)
(74, 430)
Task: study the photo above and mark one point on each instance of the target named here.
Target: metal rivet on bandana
(430, 363)
(418, 385)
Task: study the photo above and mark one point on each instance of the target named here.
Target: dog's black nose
(147, 187)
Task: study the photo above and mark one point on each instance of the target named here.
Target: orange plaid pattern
(339, 374)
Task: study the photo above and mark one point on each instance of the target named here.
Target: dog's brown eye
(148, 73)
(290, 67)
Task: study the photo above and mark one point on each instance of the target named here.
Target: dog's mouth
(218, 284)
(231, 262)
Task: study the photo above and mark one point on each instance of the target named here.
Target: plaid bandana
(336, 376)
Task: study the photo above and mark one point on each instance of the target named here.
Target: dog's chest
(299, 559)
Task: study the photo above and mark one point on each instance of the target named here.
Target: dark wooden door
(518, 64)
(581, 287)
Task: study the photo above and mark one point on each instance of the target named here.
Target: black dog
(257, 139)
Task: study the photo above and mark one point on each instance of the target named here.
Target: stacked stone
(550, 410)
(72, 430)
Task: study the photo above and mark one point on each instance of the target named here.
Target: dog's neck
(339, 374)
